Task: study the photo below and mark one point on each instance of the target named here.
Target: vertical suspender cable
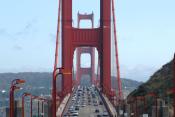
(117, 58)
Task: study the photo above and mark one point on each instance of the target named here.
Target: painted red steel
(120, 94)
(31, 104)
(174, 82)
(56, 63)
(98, 75)
(85, 71)
(136, 108)
(85, 17)
(38, 108)
(57, 71)
(88, 50)
(140, 98)
(73, 38)
(23, 97)
(14, 87)
(155, 96)
(86, 37)
(31, 107)
(42, 108)
(12, 101)
(131, 102)
(99, 38)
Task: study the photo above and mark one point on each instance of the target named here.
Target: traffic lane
(88, 103)
(89, 111)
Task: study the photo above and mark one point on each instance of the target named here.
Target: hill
(160, 82)
(39, 83)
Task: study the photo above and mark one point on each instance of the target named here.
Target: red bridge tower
(88, 50)
(96, 37)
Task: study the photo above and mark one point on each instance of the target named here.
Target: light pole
(38, 99)
(55, 74)
(13, 87)
(38, 107)
(31, 104)
(155, 101)
(130, 101)
(140, 98)
(23, 96)
(42, 108)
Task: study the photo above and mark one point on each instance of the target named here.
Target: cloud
(28, 28)
(139, 72)
(25, 31)
(17, 47)
(2, 31)
(4, 34)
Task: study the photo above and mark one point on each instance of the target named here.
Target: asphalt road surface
(85, 102)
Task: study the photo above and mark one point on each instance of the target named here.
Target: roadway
(85, 102)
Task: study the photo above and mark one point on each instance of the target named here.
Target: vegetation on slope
(159, 83)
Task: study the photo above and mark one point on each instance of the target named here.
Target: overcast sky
(146, 34)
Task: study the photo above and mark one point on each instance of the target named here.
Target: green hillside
(160, 83)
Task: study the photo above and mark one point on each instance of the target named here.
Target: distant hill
(40, 82)
(127, 84)
(35, 79)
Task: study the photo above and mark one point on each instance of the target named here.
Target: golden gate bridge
(66, 87)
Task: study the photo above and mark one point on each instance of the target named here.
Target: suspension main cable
(57, 37)
(117, 56)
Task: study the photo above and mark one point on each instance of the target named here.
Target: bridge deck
(85, 102)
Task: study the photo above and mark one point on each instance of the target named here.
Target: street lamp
(23, 96)
(39, 99)
(13, 87)
(141, 98)
(17, 81)
(55, 74)
(31, 104)
(42, 108)
(130, 101)
(155, 98)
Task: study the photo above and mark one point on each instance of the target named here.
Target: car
(101, 103)
(66, 115)
(83, 105)
(99, 116)
(95, 104)
(74, 114)
(76, 108)
(70, 109)
(97, 110)
(105, 114)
